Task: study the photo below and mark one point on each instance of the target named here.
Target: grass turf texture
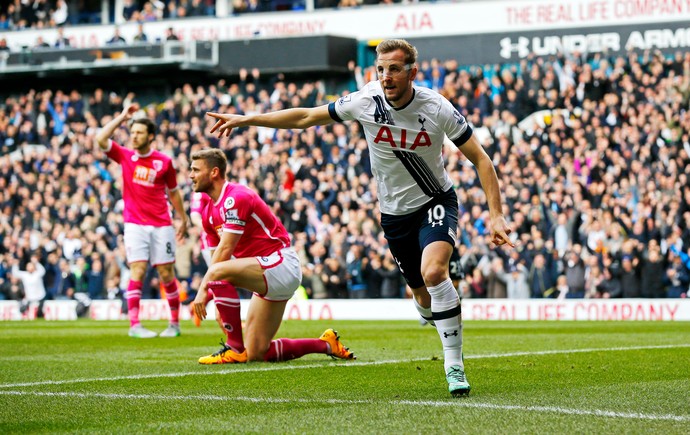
(526, 377)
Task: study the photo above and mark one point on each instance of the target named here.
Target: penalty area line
(238, 369)
(456, 403)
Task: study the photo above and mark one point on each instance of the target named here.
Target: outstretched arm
(298, 117)
(487, 176)
(107, 131)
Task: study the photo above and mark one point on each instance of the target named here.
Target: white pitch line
(244, 369)
(555, 352)
(454, 403)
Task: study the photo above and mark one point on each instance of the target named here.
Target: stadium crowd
(39, 14)
(593, 153)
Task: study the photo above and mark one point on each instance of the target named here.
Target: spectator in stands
(392, 284)
(61, 41)
(116, 39)
(4, 52)
(128, 9)
(5, 21)
(67, 281)
(334, 275)
(356, 263)
(79, 270)
(60, 14)
(14, 14)
(495, 276)
(594, 278)
(170, 11)
(476, 284)
(170, 35)
(149, 13)
(12, 289)
(195, 8)
(41, 43)
(51, 279)
(653, 273)
(372, 277)
(253, 6)
(629, 277)
(32, 281)
(517, 286)
(95, 278)
(41, 11)
(574, 268)
(140, 37)
(562, 287)
(610, 285)
(541, 279)
(678, 278)
(99, 106)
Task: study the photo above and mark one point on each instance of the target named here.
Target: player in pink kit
(254, 253)
(149, 179)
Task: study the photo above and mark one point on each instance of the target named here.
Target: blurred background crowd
(39, 14)
(593, 154)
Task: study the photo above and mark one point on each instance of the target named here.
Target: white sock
(445, 308)
(424, 312)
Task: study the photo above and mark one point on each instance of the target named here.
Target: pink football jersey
(146, 181)
(242, 211)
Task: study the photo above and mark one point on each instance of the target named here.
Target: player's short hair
(150, 125)
(388, 45)
(213, 157)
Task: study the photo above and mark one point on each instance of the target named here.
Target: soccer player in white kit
(405, 127)
(253, 253)
(149, 179)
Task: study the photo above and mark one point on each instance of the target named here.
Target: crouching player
(254, 253)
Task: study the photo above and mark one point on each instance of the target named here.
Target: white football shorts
(283, 274)
(148, 243)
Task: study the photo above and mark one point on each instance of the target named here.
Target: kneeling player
(254, 253)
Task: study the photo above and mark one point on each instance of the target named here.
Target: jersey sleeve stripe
(333, 113)
(464, 137)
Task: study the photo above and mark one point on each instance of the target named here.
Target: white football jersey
(405, 144)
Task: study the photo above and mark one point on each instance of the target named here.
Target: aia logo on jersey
(158, 165)
(229, 202)
(385, 134)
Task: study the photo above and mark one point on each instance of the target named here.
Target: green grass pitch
(526, 377)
